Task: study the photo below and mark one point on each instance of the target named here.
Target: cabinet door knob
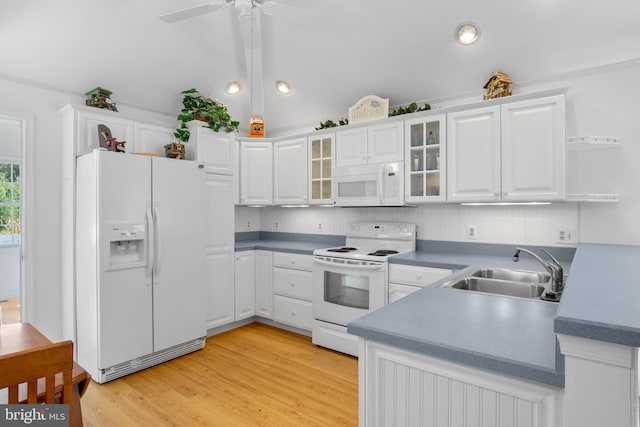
(418, 276)
(293, 285)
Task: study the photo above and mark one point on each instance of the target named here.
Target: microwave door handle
(352, 266)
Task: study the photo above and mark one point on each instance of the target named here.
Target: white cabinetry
(398, 387)
(509, 152)
(264, 283)
(219, 249)
(425, 154)
(150, 138)
(290, 172)
(215, 149)
(370, 144)
(256, 173)
(245, 285)
(321, 149)
(406, 279)
(292, 280)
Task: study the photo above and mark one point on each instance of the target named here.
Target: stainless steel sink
(513, 275)
(499, 287)
(503, 282)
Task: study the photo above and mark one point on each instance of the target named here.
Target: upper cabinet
(290, 172)
(321, 149)
(509, 152)
(256, 173)
(370, 144)
(425, 154)
(214, 149)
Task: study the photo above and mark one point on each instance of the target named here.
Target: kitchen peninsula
(440, 354)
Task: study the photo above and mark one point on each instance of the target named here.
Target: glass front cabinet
(321, 149)
(425, 161)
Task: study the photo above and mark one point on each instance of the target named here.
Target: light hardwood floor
(256, 375)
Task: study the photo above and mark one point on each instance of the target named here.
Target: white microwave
(380, 184)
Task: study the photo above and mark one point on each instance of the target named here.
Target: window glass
(9, 203)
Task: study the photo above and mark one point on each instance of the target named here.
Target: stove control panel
(379, 228)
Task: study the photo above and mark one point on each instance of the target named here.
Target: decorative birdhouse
(175, 150)
(99, 98)
(498, 86)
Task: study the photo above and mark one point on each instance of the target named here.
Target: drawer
(397, 291)
(416, 276)
(297, 261)
(292, 283)
(293, 312)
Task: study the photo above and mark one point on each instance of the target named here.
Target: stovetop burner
(383, 252)
(343, 249)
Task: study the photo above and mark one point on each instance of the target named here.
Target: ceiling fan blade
(192, 12)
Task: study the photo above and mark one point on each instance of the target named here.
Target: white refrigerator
(140, 267)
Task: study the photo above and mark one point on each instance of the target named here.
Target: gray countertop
(505, 335)
(602, 297)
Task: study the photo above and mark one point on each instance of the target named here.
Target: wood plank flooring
(256, 375)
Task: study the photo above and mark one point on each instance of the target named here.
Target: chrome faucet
(553, 267)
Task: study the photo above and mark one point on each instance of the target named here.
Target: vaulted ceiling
(332, 52)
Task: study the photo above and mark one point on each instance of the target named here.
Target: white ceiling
(337, 52)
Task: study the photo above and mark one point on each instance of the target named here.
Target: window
(9, 203)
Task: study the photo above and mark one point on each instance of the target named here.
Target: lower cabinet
(221, 294)
(399, 387)
(292, 280)
(264, 283)
(245, 304)
(406, 279)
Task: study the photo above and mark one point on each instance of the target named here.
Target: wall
(600, 102)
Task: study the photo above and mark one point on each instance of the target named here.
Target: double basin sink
(497, 281)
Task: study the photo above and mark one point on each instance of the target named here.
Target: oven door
(345, 289)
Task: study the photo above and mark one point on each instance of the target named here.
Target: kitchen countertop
(508, 336)
(602, 299)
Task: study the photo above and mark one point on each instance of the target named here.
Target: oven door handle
(352, 266)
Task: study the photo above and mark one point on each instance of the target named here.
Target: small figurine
(109, 142)
(256, 127)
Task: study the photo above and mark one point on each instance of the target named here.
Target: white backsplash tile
(527, 225)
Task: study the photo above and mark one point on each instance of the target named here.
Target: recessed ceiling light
(232, 88)
(467, 33)
(283, 87)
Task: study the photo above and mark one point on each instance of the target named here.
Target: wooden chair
(38, 364)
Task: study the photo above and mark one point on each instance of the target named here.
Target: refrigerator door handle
(158, 246)
(150, 245)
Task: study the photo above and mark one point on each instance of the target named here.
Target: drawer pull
(293, 313)
(293, 285)
(293, 261)
(419, 276)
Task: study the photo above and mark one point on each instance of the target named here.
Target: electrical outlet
(472, 231)
(567, 236)
(276, 224)
(320, 226)
(248, 225)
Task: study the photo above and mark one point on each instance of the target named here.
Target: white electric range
(352, 280)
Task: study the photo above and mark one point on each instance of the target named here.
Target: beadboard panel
(405, 389)
(524, 224)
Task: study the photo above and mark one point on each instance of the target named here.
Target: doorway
(11, 217)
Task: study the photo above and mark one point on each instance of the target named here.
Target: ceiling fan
(245, 8)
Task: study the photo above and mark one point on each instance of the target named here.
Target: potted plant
(197, 107)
